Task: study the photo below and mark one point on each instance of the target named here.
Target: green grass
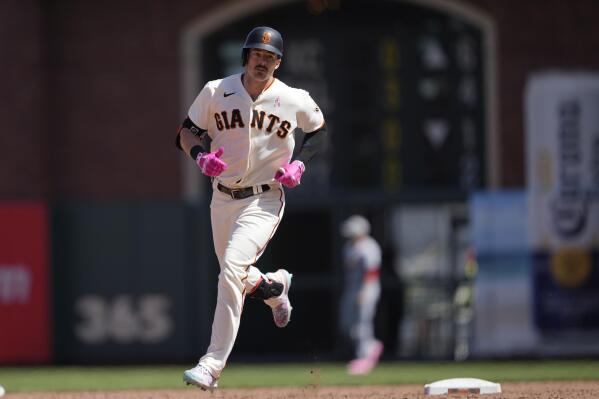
(257, 375)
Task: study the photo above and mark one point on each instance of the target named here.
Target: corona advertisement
(562, 132)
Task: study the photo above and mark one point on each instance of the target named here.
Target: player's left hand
(290, 174)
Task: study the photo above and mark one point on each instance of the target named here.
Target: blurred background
(467, 132)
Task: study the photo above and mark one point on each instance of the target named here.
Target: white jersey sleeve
(199, 112)
(309, 115)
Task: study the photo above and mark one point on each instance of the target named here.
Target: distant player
(362, 262)
(239, 131)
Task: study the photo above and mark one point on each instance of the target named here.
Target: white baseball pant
(241, 229)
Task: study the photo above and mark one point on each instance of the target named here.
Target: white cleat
(201, 377)
(280, 305)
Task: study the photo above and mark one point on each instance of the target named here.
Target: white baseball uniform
(362, 260)
(257, 137)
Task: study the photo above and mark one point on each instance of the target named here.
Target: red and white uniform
(362, 261)
(257, 137)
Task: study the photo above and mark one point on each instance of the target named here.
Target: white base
(2, 391)
(462, 386)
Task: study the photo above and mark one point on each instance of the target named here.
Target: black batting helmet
(265, 38)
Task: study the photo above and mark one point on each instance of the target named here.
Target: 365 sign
(123, 319)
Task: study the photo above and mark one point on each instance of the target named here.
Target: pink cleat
(365, 365)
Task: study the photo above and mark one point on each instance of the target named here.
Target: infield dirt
(511, 390)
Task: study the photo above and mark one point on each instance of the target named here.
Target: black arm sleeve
(312, 144)
(196, 131)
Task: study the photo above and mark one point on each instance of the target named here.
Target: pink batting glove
(210, 162)
(290, 174)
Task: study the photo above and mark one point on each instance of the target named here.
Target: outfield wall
(136, 282)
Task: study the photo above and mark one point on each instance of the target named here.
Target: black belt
(241, 193)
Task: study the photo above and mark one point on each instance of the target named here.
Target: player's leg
(253, 231)
(365, 329)
(369, 348)
(253, 222)
(348, 319)
(205, 375)
(272, 288)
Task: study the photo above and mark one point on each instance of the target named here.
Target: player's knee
(234, 259)
(229, 280)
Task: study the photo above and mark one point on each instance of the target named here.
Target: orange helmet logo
(266, 37)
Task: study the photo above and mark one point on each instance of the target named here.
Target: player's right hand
(210, 162)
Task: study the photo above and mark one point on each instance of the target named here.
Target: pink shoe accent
(359, 366)
(377, 351)
(366, 364)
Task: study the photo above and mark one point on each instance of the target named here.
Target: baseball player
(362, 260)
(239, 131)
